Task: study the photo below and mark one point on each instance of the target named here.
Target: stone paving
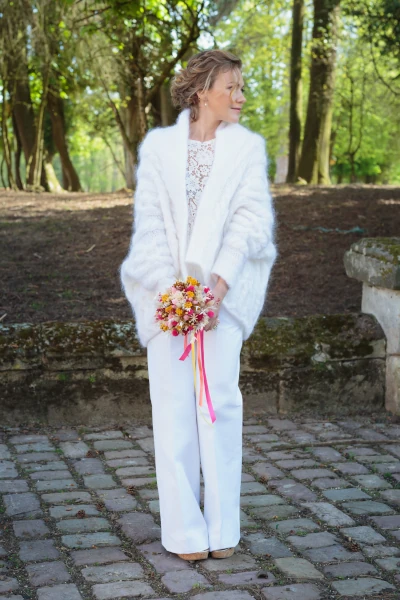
(79, 515)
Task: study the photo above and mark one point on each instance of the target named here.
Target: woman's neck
(204, 129)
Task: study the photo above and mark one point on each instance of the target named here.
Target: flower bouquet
(185, 308)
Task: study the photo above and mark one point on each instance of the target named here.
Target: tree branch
(381, 79)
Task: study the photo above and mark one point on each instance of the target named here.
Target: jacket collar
(230, 148)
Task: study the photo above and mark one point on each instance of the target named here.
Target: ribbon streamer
(190, 346)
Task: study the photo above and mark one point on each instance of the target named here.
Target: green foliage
(260, 35)
(366, 117)
(97, 52)
(380, 21)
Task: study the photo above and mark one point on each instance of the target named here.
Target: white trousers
(184, 439)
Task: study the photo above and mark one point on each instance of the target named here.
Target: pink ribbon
(204, 376)
(187, 348)
(199, 336)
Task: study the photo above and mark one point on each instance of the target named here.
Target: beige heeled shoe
(224, 553)
(195, 555)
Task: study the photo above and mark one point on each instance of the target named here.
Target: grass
(390, 479)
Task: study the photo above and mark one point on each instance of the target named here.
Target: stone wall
(376, 263)
(96, 372)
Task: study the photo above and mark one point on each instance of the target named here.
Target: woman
(202, 208)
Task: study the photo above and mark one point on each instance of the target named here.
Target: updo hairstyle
(199, 75)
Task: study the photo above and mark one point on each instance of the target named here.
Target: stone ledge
(375, 261)
(96, 372)
(81, 345)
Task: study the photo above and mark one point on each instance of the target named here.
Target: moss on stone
(90, 337)
(384, 249)
(313, 340)
(19, 342)
(28, 342)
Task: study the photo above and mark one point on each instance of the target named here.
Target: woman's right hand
(213, 320)
(219, 292)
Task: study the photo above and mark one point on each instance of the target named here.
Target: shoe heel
(224, 553)
(195, 555)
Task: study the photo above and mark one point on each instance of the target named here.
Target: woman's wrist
(221, 289)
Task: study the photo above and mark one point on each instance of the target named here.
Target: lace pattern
(200, 160)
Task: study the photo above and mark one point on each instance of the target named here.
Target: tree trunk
(23, 112)
(17, 156)
(132, 122)
(314, 160)
(295, 90)
(37, 173)
(126, 123)
(24, 119)
(130, 166)
(53, 183)
(56, 110)
(162, 110)
(6, 141)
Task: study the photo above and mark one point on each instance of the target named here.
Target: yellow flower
(169, 308)
(188, 304)
(179, 311)
(165, 297)
(192, 281)
(190, 294)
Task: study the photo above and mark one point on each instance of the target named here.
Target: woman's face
(225, 99)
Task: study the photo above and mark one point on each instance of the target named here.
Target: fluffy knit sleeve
(149, 261)
(251, 229)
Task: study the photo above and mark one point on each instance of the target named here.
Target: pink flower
(190, 288)
(200, 317)
(210, 313)
(175, 332)
(174, 323)
(206, 289)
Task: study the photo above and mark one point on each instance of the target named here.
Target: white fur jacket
(233, 233)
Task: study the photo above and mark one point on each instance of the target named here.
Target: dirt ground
(60, 254)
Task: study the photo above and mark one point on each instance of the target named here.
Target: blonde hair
(200, 73)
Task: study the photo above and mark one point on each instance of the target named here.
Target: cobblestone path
(79, 516)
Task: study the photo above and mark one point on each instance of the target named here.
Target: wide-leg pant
(184, 439)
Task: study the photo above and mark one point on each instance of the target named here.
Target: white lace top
(200, 160)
